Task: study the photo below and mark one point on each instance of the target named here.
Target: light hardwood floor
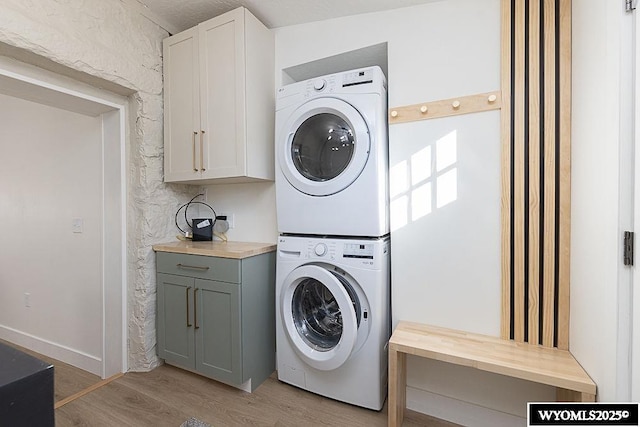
(168, 396)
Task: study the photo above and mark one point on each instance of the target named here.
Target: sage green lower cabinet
(216, 316)
(176, 340)
(218, 349)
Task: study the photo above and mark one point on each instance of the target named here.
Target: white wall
(253, 207)
(445, 264)
(108, 43)
(596, 193)
(51, 173)
(450, 275)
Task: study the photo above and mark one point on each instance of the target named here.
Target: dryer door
(320, 313)
(326, 148)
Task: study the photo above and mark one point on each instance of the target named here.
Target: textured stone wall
(109, 40)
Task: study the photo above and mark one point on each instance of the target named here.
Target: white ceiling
(178, 15)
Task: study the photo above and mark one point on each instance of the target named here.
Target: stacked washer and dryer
(333, 265)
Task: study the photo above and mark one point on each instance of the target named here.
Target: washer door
(326, 147)
(320, 316)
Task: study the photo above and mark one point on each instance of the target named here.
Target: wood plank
(169, 396)
(446, 107)
(534, 171)
(505, 199)
(397, 387)
(519, 208)
(565, 174)
(549, 171)
(116, 404)
(530, 362)
(564, 395)
(86, 391)
(233, 250)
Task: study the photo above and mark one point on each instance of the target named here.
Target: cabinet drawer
(198, 266)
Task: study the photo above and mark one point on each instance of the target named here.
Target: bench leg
(397, 387)
(564, 395)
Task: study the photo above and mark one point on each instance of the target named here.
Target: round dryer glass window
(322, 147)
(317, 315)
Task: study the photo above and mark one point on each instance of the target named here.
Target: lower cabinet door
(218, 345)
(176, 320)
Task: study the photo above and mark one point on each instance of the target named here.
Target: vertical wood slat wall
(536, 124)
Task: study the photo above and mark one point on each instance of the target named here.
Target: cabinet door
(218, 349)
(175, 320)
(182, 134)
(222, 86)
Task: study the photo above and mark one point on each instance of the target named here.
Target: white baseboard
(458, 411)
(63, 353)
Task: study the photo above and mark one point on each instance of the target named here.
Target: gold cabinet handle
(195, 308)
(187, 298)
(192, 267)
(193, 139)
(202, 150)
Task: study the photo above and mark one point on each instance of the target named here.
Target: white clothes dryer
(333, 317)
(332, 155)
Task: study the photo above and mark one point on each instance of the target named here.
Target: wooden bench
(530, 362)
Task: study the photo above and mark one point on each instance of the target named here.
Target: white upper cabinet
(219, 101)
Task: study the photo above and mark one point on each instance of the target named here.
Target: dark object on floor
(26, 389)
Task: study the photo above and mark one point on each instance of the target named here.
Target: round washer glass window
(316, 313)
(322, 147)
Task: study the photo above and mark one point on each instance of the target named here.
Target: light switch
(77, 225)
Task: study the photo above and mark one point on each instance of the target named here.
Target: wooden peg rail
(446, 107)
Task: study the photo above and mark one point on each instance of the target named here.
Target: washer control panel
(320, 249)
(317, 249)
(358, 250)
(365, 253)
(331, 249)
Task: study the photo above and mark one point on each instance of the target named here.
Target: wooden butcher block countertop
(235, 250)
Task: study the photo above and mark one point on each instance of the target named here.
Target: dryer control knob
(320, 249)
(319, 84)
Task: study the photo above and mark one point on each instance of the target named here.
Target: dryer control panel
(321, 84)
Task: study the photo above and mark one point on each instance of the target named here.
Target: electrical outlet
(230, 219)
(27, 299)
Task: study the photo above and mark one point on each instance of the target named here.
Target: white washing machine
(333, 317)
(332, 155)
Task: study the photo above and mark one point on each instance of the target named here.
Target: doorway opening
(62, 209)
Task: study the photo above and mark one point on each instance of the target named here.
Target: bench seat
(531, 362)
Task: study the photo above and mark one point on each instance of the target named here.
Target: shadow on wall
(424, 182)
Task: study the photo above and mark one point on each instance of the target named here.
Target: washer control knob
(320, 249)
(319, 84)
